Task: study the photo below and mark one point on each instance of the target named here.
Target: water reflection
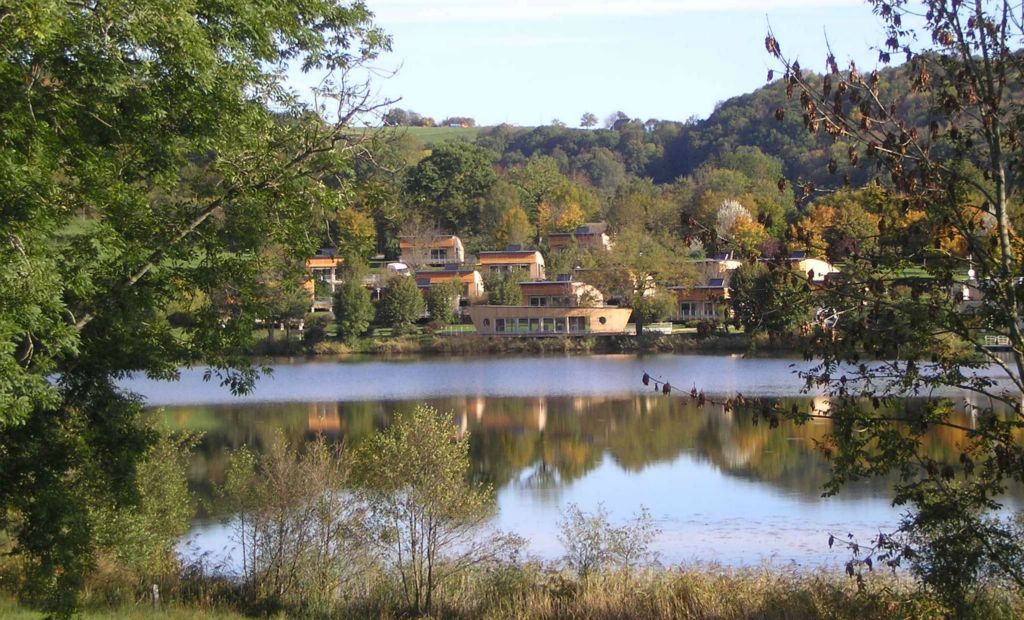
(722, 487)
(543, 444)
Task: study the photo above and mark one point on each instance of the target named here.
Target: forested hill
(666, 150)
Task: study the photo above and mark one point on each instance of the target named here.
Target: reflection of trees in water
(544, 443)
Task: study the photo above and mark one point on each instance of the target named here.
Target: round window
(487, 322)
(602, 320)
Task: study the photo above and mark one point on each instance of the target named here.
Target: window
(559, 325)
(534, 325)
(577, 324)
(499, 325)
(548, 325)
(487, 323)
(439, 254)
(709, 309)
(687, 310)
(538, 301)
(602, 320)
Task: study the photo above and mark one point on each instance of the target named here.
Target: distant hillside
(667, 150)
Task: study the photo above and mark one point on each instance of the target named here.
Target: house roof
(447, 241)
(324, 261)
(500, 256)
(441, 276)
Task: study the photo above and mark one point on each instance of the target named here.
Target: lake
(550, 431)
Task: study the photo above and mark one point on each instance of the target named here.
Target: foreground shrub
(425, 517)
(299, 532)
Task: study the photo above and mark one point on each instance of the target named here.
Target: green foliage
(636, 270)
(514, 228)
(593, 545)
(442, 300)
(503, 289)
(150, 157)
(450, 185)
(770, 298)
(945, 199)
(423, 511)
(401, 304)
(299, 533)
(143, 536)
(353, 306)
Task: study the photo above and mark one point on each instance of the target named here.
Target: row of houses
(708, 299)
(560, 306)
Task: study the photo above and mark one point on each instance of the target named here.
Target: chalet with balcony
(592, 237)
(324, 277)
(513, 259)
(563, 292)
(561, 307)
(437, 250)
(470, 281)
(702, 302)
(708, 298)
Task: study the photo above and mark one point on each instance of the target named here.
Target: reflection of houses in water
(533, 416)
(324, 418)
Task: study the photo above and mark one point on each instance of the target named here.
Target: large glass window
(687, 310)
(439, 254)
(548, 325)
(534, 325)
(538, 301)
(577, 324)
(499, 325)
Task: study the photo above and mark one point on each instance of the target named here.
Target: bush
(593, 545)
(299, 531)
(315, 330)
(353, 307)
(424, 514)
(400, 305)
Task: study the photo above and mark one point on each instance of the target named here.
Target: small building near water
(548, 321)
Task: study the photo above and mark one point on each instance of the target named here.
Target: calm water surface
(547, 432)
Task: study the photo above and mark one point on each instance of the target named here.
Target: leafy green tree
(514, 227)
(588, 120)
(503, 288)
(353, 306)
(144, 537)
(401, 304)
(770, 298)
(637, 270)
(894, 303)
(450, 185)
(299, 533)
(149, 154)
(442, 300)
(424, 512)
(502, 198)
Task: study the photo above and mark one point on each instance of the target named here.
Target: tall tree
(588, 120)
(353, 306)
(149, 152)
(895, 302)
(401, 304)
(450, 186)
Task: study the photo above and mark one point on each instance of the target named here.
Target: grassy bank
(428, 342)
(531, 591)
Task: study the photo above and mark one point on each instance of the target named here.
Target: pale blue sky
(527, 62)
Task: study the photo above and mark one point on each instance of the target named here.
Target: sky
(529, 62)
